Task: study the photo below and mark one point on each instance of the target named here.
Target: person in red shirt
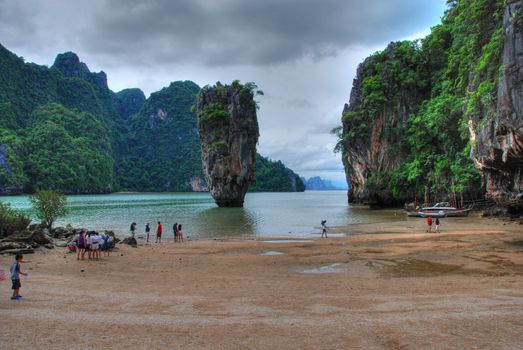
(159, 233)
(429, 223)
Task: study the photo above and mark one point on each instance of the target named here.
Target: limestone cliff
(372, 130)
(498, 137)
(228, 129)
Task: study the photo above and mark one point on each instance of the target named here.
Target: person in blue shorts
(15, 276)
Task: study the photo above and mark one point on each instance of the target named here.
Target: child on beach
(324, 228)
(15, 276)
(437, 225)
(429, 224)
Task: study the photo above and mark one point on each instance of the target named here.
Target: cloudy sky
(302, 53)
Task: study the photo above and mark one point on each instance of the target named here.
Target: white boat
(440, 210)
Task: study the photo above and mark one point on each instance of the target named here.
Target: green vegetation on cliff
(441, 84)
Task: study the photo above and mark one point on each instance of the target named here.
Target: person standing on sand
(133, 229)
(159, 229)
(80, 246)
(95, 246)
(15, 276)
(88, 246)
(437, 225)
(429, 224)
(175, 231)
(147, 231)
(324, 228)
(105, 243)
(180, 233)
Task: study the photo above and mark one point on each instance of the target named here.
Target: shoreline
(387, 285)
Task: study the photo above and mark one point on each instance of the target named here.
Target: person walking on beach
(437, 225)
(80, 246)
(429, 224)
(133, 229)
(175, 231)
(324, 228)
(180, 233)
(159, 229)
(15, 276)
(147, 231)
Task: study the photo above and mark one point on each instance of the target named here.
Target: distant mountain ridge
(63, 128)
(316, 183)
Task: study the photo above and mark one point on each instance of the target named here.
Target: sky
(303, 54)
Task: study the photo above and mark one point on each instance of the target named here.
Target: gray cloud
(214, 33)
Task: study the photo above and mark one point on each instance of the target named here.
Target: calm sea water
(264, 214)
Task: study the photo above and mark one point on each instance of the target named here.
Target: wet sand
(386, 286)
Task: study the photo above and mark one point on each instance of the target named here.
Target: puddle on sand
(272, 253)
(289, 241)
(333, 268)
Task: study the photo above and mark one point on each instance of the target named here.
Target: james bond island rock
(498, 131)
(228, 129)
(440, 119)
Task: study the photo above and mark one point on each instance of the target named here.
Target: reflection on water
(264, 214)
(225, 222)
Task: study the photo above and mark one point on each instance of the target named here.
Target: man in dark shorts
(159, 232)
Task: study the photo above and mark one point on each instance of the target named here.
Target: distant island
(316, 183)
(63, 128)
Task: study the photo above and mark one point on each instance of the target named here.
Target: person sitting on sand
(105, 243)
(429, 224)
(159, 229)
(80, 246)
(324, 228)
(437, 225)
(180, 233)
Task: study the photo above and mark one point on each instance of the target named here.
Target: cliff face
(228, 129)
(373, 127)
(499, 137)
(441, 118)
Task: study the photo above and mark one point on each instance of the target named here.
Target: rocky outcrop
(372, 135)
(128, 102)
(499, 139)
(228, 129)
(198, 184)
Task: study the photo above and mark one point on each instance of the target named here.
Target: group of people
(93, 244)
(177, 232)
(435, 222)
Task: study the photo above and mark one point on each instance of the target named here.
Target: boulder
(130, 241)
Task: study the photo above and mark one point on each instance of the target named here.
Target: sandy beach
(384, 286)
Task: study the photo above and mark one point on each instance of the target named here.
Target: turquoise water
(264, 214)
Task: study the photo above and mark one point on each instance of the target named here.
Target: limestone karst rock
(228, 129)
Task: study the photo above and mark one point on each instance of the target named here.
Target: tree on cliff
(49, 206)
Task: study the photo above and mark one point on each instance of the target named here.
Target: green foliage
(49, 205)
(11, 220)
(273, 176)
